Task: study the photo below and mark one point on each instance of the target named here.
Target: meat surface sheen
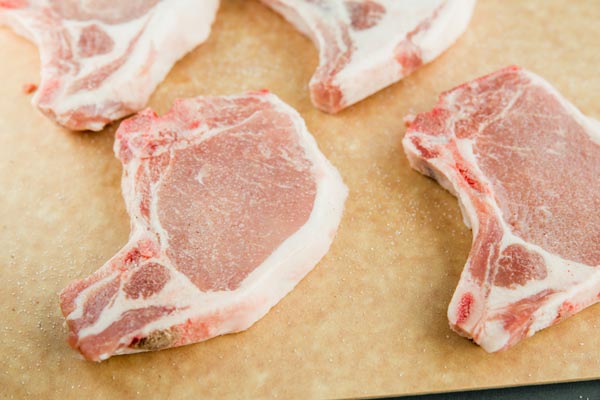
(101, 60)
(524, 163)
(231, 205)
(366, 45)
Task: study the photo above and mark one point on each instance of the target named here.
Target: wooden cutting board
(370, 320)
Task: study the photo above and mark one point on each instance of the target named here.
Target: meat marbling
(366, 45)
(231, 205)
(524, 163)
(101, 60)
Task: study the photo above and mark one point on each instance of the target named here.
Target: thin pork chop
(366, 45)
(524, 163)
(231, 205)
(101, 60)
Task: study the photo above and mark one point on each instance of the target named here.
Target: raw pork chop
(231, 204)
(366, 45)
(524, 163)
(101, 60)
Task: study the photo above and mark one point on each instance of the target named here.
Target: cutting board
(370, 320)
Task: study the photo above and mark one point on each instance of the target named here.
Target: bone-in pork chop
(101, 60)
(524, 163)
(231, 205)
(366, 45)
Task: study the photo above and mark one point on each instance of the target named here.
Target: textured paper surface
(370, 320)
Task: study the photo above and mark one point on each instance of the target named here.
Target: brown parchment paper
(370, 320)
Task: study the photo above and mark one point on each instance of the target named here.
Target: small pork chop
(524, 163)
(101, 60)
(231, 204)
(366, 45)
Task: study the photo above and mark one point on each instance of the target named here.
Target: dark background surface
(586, 390)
